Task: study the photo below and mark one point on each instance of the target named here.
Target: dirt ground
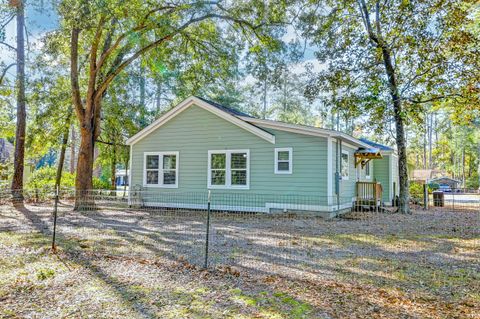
(148, 264)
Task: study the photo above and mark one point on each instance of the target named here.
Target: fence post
(205, 265)
(55, 218)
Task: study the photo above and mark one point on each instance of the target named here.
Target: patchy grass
(35, 282)
(389, 266)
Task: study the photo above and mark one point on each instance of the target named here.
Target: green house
(251, 164)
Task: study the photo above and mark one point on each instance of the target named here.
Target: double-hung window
(228, 169)
(345, 165)
(161, 169)
(283, 160)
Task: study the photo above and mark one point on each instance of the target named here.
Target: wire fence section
(261, 232)
(449, 201)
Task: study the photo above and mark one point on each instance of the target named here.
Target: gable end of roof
(222, 112)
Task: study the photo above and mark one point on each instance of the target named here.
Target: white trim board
(206, 106)
(290, 160)
(345, 178)
(330, 170)
(160, 169)
(228, 169)
(305, 130)
(256, 209)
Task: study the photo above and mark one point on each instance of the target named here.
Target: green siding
(347, 187)
(195, 131)
(381, 174)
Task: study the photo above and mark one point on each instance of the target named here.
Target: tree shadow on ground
(135, 299)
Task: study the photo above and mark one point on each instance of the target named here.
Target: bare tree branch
(5, 72)
(8, 21)
(9, 46)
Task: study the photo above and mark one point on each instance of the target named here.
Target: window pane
(152, 177)
(239, 177)
(367, 169)
(169, 161)
(344, 164)
(218, 161)
(283, 155)
(283, 166)
(152, 161)
(239, 160)
(169, 177)
(218, 177)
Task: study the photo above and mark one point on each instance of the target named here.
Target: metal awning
(364, 155)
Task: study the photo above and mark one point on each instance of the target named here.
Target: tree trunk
(61, 160)
(17, 181)
(73, 138)
(430, 138)
(113, 165)
(463, 166)
(425, 133)
(83, 181)
(127, 162)
(400, 133)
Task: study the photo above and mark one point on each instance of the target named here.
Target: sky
(39, 19)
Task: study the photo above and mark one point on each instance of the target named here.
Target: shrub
(472, 181)
(100, 183)
(44, 178)
(416, 192)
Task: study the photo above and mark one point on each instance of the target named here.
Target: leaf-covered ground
(426, 265)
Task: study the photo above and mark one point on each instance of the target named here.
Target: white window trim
(369, 176)
(228, 172)
(346, 178)
(290, 160)
(160, 169)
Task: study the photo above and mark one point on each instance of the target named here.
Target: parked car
(444, 188)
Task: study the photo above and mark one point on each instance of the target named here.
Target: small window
(367, 170)
(283, 161)
(161, 169)
(345, 165)
(228, 169)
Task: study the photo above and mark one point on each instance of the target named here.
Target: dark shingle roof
(227, 109)
(376, 145)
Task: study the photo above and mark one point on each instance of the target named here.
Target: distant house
(200, 145)
(424, 176)
(445, 180)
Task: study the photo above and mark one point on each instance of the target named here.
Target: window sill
(283, 173)
(246, 187)
(160, 186)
